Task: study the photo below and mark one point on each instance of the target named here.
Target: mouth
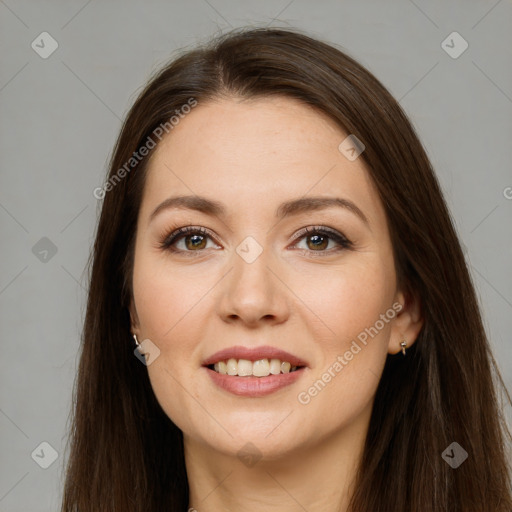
(253, 372)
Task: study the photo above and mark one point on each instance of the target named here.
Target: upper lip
(254, 354)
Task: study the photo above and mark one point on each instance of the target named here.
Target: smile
(253, 371)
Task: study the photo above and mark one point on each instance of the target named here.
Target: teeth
(221, 367)
(244, 367)
(232, 367)
(260, 368)
(275, 366)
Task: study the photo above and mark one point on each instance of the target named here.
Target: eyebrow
(286, 209)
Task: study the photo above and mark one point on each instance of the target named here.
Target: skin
(251, 155)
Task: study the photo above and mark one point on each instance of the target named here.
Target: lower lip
(254, 386)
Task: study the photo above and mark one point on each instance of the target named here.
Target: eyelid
(335, 234)
(339, 238)
(178, 233)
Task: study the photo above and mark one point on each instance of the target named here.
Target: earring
(136, 340)
(403, 344)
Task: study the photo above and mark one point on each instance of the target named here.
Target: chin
(253, 439)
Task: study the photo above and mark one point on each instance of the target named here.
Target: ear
(134, 319)
(408, 322)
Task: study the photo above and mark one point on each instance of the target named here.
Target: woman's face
(255, 280)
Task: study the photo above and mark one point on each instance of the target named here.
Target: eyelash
(175, 236)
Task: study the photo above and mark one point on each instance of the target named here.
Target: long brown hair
(127, 455)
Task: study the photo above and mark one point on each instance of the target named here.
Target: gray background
(59, 118)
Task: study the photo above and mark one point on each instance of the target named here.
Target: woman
(280, 316)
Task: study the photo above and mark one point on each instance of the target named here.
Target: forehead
(256, 153)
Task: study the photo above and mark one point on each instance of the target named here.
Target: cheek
(347, 299)
(350, 301)
(352, 337)
(165, 300)
(168, 306)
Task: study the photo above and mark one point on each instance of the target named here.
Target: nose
(254, 293)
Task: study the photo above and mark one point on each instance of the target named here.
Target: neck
(316, 478)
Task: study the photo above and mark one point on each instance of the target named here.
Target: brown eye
(192, 239)
(318, 239)
(318, 242)
(196, 241)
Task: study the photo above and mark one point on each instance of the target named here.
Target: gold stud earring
(403, 344)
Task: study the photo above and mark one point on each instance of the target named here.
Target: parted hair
(125, 454)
